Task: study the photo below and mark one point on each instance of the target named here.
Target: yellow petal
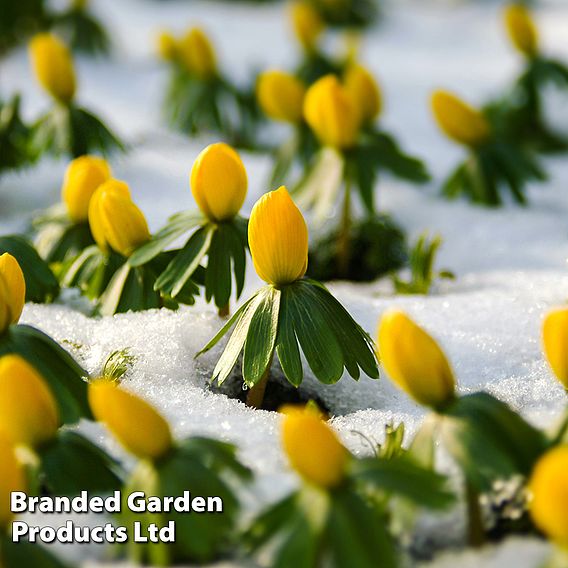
(5, 308)
(459, 121)
(281, 96)
(134, 422)
(555, 341)
(414, 361)
(12, 478)
(28, 410)
(313, 448)
(219, 182)
(82, 178)
(364, 90)
(15, 283)
(278, 238)
(521, 29)
(548, 487)
(53, 66)
(331, 113)
(307, 24)
(115, 220)
(168, 48)
(197, 53)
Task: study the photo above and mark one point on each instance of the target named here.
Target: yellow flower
(115, 220)
(549, 495)
(134, 422)
(82, 178)
(331, 113)
(53, 66)
(168, 47)
(278, 239)
(28, 410)
(458, 120)
(197, 53)
(12, 478)
(521, 29)
(281, 96)
(14, 290)
(313, 448)
(361, 85)
(555, 341)
(219, 182)
(307, 24)
(414, 361)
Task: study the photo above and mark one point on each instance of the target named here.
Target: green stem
(475, 530)
(344, 240)
(255, 395)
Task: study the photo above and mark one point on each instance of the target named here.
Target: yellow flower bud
(28, 410)
(555, 341)
(458, 120)
(12, 478)
(331, 113)
(168, 48)
(197, 54)
(281, 96)
(82, 178)
(313, 448)
(548, 487)
(15, 288)
(414, 361)
(219, 182)
(115, 220)
(361, 85)
(134, 422)
(521, 29)
(307, 24)
(53, 66)
(278, 239)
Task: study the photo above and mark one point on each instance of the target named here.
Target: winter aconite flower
(332, 113)
(281, 96)
(134, 422)
(12, 479)
(549, 495)
(115, 220)
(555, 341)
(307, 24)
(414, 361)
(521, 29)
(53, 66)
(361, 85)
(278, 239)
(313, 448)
(219, 182)
(197, 54)
(29, 413)
(459, 121)
(83, 177)
(12, 291)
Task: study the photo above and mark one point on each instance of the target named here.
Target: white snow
(511, 262)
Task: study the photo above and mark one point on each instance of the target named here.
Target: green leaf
(286, 343)
(261, 336)
(71, 464)
(41, 284)
(489, 440)
(218, 277)
(176, 227)
(65, 377)
(402, 477)
(180, 269)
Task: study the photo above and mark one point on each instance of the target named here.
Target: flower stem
(344, 240)
(224, 311)
(255, 396)
(475, 530)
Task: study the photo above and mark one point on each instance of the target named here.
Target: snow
(511, 262)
